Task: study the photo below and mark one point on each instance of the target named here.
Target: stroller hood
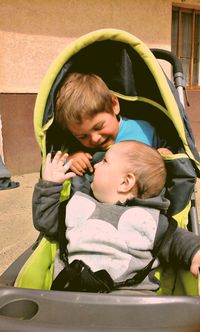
(129, 69)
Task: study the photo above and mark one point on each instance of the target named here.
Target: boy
(118, 228)
(90, 111)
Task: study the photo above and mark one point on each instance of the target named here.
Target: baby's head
(86, 107)
(129, 169)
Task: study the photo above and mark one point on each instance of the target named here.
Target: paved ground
(17, 232)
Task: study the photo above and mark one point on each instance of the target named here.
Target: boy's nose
(95, 138)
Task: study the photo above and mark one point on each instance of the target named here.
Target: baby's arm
(181, 250)
(45, 207)
(81, 162)
(56, 170)
(45, 202)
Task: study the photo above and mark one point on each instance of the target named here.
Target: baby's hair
(148, 167)
(82, 96)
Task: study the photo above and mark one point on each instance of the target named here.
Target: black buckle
(78, 277)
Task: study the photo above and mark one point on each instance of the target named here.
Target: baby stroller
(131, 70)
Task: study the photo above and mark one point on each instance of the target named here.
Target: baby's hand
(81, 162)
(55, 170)
(195, 265)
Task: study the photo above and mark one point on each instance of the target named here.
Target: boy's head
(86, 107)
(129, 169)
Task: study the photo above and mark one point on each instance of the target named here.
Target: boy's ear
(116, 107)
(127, 183)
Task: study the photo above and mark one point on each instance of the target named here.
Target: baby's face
(108, 175)
(99, 131)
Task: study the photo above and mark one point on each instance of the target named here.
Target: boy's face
(108, 175)
(99, 131)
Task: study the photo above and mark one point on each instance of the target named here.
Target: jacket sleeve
(45, 206)
(180, 248)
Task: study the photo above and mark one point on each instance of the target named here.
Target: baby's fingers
(57, 157)
(67, 165)
(69, 175)
(48, 158)
(63, 158)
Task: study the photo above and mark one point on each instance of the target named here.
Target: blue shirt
(138, 130)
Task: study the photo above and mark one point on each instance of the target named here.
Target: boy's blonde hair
(148, 167)
(82, 96)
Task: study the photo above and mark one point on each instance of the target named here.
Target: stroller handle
(174, 61)
(170, 57)
(177, 67)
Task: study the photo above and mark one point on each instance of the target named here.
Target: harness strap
(62, 240)
(141, 275)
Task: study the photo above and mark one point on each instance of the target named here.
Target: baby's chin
(93, 192)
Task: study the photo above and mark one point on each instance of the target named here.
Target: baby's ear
(127, 183)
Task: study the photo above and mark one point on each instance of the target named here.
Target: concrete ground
(17, 232)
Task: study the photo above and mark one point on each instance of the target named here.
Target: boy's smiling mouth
(106, 142)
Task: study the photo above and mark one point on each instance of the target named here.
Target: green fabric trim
(189, 283)
(181, 284)
(170, 283)
(37, 272)
(142, 99)
(65, 192)
(176, 156)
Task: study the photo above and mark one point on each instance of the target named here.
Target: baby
(118, 228)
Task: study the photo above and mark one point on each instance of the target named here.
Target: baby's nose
(97, 164)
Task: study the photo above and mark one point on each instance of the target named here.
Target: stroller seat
(134, 75)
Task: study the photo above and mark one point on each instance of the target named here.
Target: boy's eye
(99, 126)
(81, 137)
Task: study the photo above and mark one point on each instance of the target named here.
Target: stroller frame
(33, 310)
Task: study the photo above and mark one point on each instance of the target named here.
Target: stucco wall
(21, 152)
(33, 33)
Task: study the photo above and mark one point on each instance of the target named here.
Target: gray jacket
(178, 251)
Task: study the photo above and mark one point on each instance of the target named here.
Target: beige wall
(33, 33)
